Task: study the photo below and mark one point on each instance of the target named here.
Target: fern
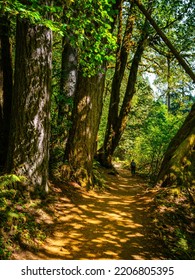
(10, 179)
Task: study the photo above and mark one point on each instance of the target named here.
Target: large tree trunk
(5, 88)
(28, 153)
(87, 108)
(178, 166)
(82, 141)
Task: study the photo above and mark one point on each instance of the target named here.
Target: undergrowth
(174, 222)
(18, 224)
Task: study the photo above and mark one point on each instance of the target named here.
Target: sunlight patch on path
(108, 225)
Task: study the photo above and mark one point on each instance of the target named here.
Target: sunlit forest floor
(113, 223)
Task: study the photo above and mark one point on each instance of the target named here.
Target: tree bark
(117, 123)
(6, 88)
(121, 62)
(68, 79)
(68, 82)
(178, 166)
(28, 153)
(82, 140)
(1, 93)
(168, 93)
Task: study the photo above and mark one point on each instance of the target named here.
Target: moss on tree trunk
(178, 166)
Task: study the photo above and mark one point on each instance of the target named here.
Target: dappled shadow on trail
(113, 224)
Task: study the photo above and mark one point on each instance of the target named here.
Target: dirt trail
(113, 224)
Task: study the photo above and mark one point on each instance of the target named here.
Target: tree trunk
(1, 94)
(168, 94)
(5, 88)
(28, 153)
(82, 141)
(1, 106)
(116, 128)
(178, 166)
(68, 83)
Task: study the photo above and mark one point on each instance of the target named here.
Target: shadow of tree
(113, 224)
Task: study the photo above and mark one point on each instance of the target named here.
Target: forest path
(114, 224)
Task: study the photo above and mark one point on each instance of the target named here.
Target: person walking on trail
(133, 167)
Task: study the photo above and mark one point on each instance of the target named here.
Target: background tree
(149, 130)
(64, 81)
(116, 127)
(170, 79)
(68, 78)
(119, 107)
(175, 52)
(182, 84)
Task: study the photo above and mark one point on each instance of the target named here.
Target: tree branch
(180, 59)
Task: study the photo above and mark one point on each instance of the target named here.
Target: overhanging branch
(180, 59)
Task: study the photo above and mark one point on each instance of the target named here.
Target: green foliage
(36, 13)
(9, 180)
(99, 180)
(177, 21)
(16, 222)
(182, 242)
(158, 129)
(149, 131)
(174, 222)
(91, 33)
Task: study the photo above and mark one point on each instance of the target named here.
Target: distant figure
(133, 167)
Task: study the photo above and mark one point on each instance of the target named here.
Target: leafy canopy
(86, 23)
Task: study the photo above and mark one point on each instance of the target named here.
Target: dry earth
(111, 224)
